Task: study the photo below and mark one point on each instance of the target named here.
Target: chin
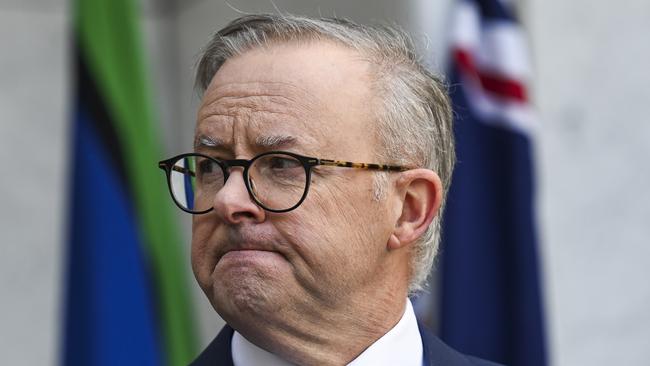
(246, 292)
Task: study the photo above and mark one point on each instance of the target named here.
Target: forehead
(317, 92)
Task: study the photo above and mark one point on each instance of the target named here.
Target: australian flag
(491, 302)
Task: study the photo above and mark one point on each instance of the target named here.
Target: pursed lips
(245, 238)
(249, 248)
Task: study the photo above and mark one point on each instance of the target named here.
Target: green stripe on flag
(109, 39)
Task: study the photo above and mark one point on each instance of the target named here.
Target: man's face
(311, 99)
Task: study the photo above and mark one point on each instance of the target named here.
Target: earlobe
(421, 191)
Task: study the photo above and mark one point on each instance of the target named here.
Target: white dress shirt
(402, 345)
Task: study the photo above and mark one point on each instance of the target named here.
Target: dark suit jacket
(436, 353)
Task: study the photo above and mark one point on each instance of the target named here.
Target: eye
(207, 166)
(278, 162)
(208, 171)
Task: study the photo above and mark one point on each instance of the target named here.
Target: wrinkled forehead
(259, 114)
(318, 94)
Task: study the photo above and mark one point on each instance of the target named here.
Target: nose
(233, 204)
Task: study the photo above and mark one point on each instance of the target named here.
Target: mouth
(248, 252)
(244, 245)
(241, 258)
(245, 249)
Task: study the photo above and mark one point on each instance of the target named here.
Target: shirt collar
(402, 345)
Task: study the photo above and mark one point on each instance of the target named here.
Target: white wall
(592, 88)
(33, 92)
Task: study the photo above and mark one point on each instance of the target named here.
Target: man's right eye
(208, 167)
(205, 166)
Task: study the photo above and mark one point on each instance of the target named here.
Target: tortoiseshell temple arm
(366, 166)
(179, 169)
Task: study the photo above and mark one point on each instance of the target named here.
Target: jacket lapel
(219, 351)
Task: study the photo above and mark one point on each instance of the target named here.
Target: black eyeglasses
(277, 181)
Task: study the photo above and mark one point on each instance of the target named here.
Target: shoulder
(436, 352)
(218, 352)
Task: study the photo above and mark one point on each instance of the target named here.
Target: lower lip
(249, 256)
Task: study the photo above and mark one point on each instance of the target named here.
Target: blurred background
(590, 88)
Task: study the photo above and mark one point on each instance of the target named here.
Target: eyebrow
(275, 141)
(265, 142)
(207, 141)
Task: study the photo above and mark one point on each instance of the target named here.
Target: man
(309, 258)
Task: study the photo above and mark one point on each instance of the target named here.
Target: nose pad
(253, 188)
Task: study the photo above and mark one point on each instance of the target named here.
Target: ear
(420, 192)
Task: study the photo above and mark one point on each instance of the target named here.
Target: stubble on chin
(245, 295)
(241, 286)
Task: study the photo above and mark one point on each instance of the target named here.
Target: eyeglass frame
(307, 163)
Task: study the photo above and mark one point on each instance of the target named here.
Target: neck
(329, 336)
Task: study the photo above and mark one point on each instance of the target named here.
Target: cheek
(336, 237)
(347, 208)
(202, 260)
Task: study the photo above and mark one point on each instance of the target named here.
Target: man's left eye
(284, 163)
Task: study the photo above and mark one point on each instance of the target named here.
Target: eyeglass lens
(276, 181)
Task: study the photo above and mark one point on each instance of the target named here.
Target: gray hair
(414, 119)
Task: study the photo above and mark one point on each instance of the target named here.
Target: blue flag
(126, 300)
(490, 291)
